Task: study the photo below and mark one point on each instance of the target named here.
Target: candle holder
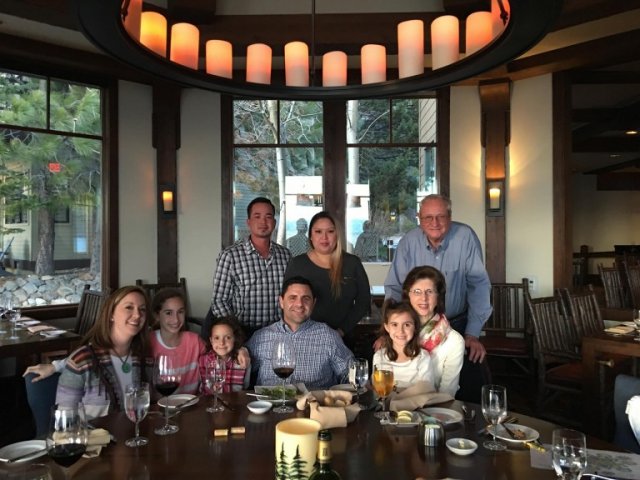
(167, 200)
(495, 193)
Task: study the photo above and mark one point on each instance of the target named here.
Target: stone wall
(35, 291)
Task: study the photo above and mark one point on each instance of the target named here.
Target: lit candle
(410, 48)
(167, 201)
(132, 19)
(153, 32)
(479, 31)
(498, 25)
(185, 39)
(219, 59)
(296, 64)
(445, 42)
(334, 69)
(259, 63)
(373, 63)
(494, 198)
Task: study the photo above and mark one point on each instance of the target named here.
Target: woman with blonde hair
(338, 278)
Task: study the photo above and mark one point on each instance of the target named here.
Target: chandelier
(175, 52)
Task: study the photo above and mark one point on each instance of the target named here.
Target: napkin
(620, 329)
(39, 328)
(322, 407)
(417, 395)
(98, 438)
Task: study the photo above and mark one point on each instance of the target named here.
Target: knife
(229, 407)
(24, 455)
(485, 430)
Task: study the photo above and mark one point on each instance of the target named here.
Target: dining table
(595, 348)
(29, 344)
(364, 449)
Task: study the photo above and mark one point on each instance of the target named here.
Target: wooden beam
(605, 78)
(618, 166)
(608, 145)
(627, 181)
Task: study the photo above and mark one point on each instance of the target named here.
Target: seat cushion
(567, 373)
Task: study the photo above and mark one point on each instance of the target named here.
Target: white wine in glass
(382, 381)
(568, 453)
(494, 409)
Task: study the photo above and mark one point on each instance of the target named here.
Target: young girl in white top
(401, 348)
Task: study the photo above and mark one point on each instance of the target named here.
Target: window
(50, 186)
(388, 163)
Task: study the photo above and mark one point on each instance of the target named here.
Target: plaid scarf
(434, 332)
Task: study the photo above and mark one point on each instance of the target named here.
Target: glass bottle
(323, 469)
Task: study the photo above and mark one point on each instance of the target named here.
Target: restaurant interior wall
(137, 177)
(606, 218)
(529, 199)
(199, 195)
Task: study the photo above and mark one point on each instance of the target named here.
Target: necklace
(125, 367)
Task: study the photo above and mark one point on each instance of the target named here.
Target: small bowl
(259, 406)
(462, 446)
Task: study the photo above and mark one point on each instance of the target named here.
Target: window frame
(335, 162)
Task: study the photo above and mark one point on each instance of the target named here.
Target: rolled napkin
(417, 395)
(620, 330)
(332, 408)
(98, 438)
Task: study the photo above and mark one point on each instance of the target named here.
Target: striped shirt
(322, 359)
(236, 378)
(247, 286)
(186, 355)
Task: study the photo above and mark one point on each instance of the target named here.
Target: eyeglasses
(430, 218)
(418, 292)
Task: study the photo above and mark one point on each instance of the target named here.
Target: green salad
(276, 392)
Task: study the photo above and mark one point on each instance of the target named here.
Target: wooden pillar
(166, 141)
(495, 99)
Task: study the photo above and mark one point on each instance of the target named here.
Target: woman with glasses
(424, 288)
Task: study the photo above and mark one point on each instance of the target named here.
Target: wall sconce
(167, 200)
(495, 197)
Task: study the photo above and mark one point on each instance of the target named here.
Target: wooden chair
(153, 288)
(632, 276)
(41, 396)
(88, 309)
(508, 332)
(584, 311)
(614, 295)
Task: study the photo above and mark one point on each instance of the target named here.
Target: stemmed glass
(568, 453)
(68, 434)
(136, 405)
(166, 379)
(494, 409)
(214, 379)
(382, 381)
(2, 316)
(636, 322)
(358, 375)
(283, 362)
(13, 315)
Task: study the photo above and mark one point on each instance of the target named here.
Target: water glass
(136, 406)
(13, 315)
(214, 380)
(568, 453)
(494, 409)
(636, 321)
(358, 375)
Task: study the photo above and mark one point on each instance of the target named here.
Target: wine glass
(68, 434)
(636, 322)
(358, 375)
(166, 379)
(136, 405)
(494, 409)
(2, 316)
(283, 362)
(13, 315)
(214, 379)
(382, 381)
(568, 453)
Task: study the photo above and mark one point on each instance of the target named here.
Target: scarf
(434, 332)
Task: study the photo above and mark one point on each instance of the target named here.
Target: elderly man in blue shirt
(454, 249)
(322, 359)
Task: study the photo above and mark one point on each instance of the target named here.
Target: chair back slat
(613, 288)
(552, 331)
(584, 311)
(633, 282)
(88, 309)
(509, 312)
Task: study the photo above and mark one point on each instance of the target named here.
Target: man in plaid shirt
(250, 272)
(322, 359)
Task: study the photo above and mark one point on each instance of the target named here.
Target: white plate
(347, 387)
(181, 400)
(28, 322)
(270, 393)
(444, 415)
(530, 433)
(22, 448)
(52, 333)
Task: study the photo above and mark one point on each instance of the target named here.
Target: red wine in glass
(67, 454)
(283, 372)
(166, 388)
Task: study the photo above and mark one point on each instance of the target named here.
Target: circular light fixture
(100, 21)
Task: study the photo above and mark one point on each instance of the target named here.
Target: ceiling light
(528, 21)
(631, 132)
